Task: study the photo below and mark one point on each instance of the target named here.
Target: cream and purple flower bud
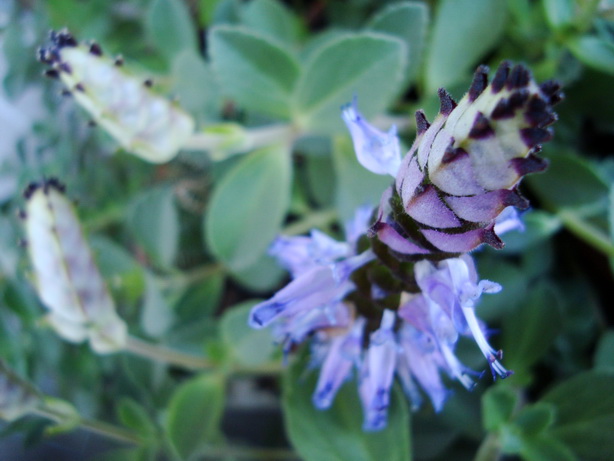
(66, 276)
(141, 121)
(463, 169)
(17, 396)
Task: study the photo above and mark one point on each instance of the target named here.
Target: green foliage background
(183, 245)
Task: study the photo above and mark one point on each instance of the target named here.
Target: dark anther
(119, 61)
(480, 81)
(519, 77)
(538, 112)
(95, 49)
(513, 198)
(518, 98)
(447, 103)
(51, 73)
(65, 67)
(30, 189)
(500, 77)
(552, 90)
(422, 123)
(490, 238)
(502, 110)
(452, 153)
(529, 164)
(534, 136)
(148, 83)
(66, 92)
(481, 127)
(92, 123)
(80, 87)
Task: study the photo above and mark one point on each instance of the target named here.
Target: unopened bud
(67, 278)
(143, 122)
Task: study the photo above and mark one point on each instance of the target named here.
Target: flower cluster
(143, 122)
(67, 278)
(394, 299)
(462, 170)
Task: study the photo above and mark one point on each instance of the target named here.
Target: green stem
(165, 355)
(247, 139)
(107, 217)
(315, 219)
(586, 231)
(489, 450)
(169, 356)
(92, 425)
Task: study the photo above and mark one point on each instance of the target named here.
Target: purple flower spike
(463, 169)
(377, 151)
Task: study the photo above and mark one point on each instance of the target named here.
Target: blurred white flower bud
(67, 278)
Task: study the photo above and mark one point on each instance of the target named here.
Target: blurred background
(184, 270)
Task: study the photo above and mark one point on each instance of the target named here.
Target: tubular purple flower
(419, 358)
(377, 372)
(344, 351)
(377, 151)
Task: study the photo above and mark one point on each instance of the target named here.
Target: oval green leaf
(248, 207)
(253, 69)
(367, 65)
(194, 414)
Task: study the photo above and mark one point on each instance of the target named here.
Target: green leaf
(367, 65)
(248, 346)
(356, 186)
(132, 415)
(498, 404)
(604, 356)
(123, 273)
(559, 13)
(336, 434)
(194, 414)
(539, 226)
(262, 276)
(153, 220)
(531, 330)
(585, 414)
(552, 187)
(248, 207)
(201, 299)
(195, 85)
(545, 448)
(594, 52)
(156, 315)
(536, 418)
(253, 69)
(407, 21)
(463, 32)
(170, 27)
(273, 19)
